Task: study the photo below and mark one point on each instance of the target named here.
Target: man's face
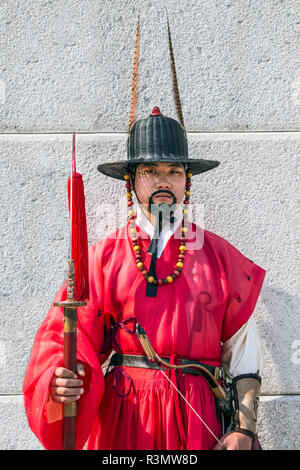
(161, 179)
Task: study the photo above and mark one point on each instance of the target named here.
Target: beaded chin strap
(134, 237)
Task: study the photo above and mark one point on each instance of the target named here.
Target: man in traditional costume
(173, 302)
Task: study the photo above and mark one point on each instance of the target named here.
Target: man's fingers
(65, 399)
(65, 373)
(65, 386)
(64, 391)
(60, 382)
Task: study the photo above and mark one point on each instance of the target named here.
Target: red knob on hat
(156, 111)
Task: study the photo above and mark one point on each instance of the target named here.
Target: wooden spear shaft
(70, 351)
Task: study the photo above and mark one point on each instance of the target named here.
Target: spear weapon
(77, 290)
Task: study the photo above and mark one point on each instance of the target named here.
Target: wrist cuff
(246, 391)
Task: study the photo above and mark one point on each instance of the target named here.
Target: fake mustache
(165, 210)
(165, 191)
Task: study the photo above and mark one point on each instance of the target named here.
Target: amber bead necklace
(136, 247)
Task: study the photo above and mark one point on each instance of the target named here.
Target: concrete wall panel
(66, 66)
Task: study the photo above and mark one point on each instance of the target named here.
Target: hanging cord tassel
(79, 248)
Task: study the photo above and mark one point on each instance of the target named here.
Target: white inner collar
(167, 231)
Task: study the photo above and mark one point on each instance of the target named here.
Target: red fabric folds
(147, 418)
(211, 299)
(45, 416)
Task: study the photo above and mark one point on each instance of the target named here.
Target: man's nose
(163, 182)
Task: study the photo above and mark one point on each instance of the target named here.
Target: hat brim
(118, 169)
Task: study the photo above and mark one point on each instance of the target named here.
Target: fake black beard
(162, 211)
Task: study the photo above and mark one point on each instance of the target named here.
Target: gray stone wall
(66, 66)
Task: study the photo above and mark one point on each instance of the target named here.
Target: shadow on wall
(278, 321)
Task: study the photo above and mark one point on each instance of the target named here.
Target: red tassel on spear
(77, 290)
(79, 248)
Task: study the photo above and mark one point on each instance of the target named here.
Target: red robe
(190, 318)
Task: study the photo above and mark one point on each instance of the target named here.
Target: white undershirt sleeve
(242, 352)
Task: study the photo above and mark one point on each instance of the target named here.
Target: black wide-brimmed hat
(156, 138)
